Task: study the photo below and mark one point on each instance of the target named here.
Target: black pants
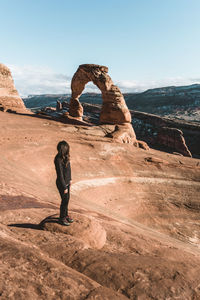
(64, 201)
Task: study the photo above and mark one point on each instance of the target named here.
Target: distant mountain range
(181, 102)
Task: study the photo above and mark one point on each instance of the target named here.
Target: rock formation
(114, 109)
(173, 139)
(9, 97)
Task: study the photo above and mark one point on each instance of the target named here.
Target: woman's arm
(59, 171)
(69, 173)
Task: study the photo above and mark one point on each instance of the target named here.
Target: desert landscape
(136, 230)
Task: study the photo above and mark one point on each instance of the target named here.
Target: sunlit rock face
(9, 97)
(114, 109)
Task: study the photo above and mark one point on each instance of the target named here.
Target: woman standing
(63, 181)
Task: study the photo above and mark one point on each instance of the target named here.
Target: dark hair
(63, 151)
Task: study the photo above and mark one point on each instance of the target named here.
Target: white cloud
(39, 80)
(31, 80)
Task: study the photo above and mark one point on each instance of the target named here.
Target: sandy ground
(136, 233)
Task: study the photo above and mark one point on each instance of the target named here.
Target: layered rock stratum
(136, 230)
(9, 97)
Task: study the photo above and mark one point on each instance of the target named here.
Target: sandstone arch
(114, 109)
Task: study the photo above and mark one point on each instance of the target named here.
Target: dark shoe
(69, 220)
(64, 222)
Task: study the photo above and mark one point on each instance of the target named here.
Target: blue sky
(145, 43)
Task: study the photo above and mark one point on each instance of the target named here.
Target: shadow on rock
(50, 219)
(26, 225)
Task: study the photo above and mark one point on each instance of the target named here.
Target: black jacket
(63, 173)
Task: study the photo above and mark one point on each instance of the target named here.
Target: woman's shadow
(40, 226)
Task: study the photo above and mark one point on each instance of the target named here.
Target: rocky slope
(136, 231)
(9, 97)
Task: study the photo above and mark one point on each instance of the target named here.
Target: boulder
(9, 98)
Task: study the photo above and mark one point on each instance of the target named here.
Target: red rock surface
(9, 97)
(136, 230)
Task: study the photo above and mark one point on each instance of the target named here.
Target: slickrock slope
(136, 232)
(9, 97)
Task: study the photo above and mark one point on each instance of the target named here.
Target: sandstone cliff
(9, 97)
